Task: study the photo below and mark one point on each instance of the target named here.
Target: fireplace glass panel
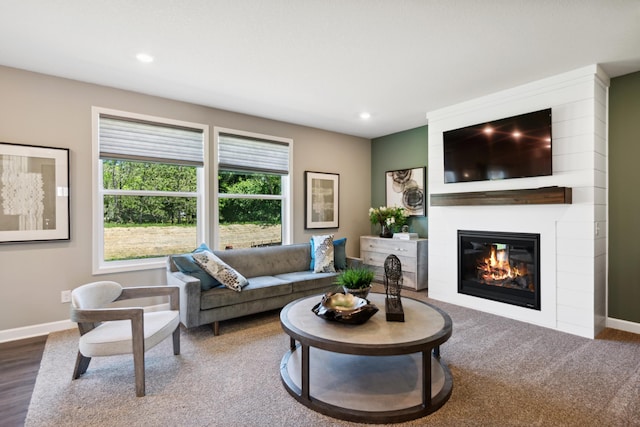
(500, 266)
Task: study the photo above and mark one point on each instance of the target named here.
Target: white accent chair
(108, 331)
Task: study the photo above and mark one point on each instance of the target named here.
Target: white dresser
(412, 254)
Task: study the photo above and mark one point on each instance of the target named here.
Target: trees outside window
(253, 190)
(143, 201)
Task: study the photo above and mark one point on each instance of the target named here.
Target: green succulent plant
(355, 278)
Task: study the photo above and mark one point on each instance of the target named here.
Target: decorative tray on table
(344, 308)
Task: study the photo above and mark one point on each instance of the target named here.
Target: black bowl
(344, 308)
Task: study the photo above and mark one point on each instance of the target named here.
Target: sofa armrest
(190, 289)
(353, 262)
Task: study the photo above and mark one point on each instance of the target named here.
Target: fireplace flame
(497, 267)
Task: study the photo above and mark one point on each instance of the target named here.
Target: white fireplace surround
(572, 236)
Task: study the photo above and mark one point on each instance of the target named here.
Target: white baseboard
(35, 330)
(46, 328)
(623, 325)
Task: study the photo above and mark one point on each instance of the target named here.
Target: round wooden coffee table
(377, 372)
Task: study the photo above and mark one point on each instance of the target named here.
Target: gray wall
(624, 198)
(44, 110)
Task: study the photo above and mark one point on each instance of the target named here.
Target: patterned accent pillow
(222, 272)
(323, 253)
(187, 265)
(339, 254)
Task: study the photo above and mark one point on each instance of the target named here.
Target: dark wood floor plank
(19, 364)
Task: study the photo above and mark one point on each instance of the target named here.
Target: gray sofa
(277, 275)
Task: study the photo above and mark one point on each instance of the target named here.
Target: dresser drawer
(377, 259)
(388, 246)
(408, 278)
(412, 254)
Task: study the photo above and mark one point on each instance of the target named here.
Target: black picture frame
(34, 193)
(322, 200)
(407, 188)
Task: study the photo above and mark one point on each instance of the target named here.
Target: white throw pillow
(219, 270)
(323, 252)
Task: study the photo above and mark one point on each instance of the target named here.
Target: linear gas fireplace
(500, 266)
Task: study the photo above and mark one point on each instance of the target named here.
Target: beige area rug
(505, 373)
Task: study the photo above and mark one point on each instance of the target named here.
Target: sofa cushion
(306, 280)
(267, 261)
(257, 288)
(220, 270)
(323, 254)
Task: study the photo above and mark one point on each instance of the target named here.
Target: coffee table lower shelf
(369, 389)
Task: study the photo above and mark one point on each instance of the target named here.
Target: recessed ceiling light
(365, 115)
(144, 57)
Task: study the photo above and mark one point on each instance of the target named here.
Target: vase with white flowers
(390, 218)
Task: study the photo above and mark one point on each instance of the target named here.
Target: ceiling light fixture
(144, 57)
(365, 115)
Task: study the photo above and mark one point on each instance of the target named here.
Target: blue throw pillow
(187, 265)
(339, 254)
(203, 247)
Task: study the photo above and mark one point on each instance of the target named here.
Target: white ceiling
(320, 62)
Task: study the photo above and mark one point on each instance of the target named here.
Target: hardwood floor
(19, 363)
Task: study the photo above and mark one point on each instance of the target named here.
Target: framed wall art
(34, 193)
(322, 199)
(406, 188)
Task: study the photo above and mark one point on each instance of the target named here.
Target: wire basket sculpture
(393, 287)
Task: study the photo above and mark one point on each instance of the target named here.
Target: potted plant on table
(356, 281)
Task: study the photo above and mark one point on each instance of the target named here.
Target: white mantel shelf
(532, 196)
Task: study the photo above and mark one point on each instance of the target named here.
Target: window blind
(240, 153)
(150, 142)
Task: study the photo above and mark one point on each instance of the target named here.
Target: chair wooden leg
(176, 341)
(138, 354)
(216, 328)
(138, 364)
(82, 363)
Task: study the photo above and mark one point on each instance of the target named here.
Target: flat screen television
(514, 147)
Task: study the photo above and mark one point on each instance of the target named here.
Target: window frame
(287, 185)
(100, 266)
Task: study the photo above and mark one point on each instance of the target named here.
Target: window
(149, 173)
(253, 197)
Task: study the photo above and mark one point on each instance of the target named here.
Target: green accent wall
(624, 198)
(402, 150)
